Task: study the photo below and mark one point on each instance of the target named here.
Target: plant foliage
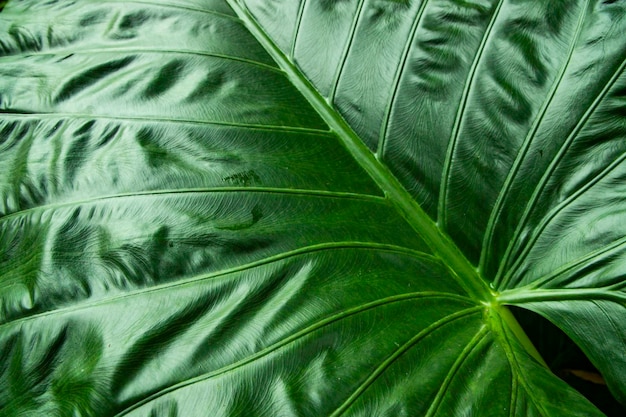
(308, 207)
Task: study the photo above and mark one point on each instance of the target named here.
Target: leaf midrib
(463, 271)
(516, 370)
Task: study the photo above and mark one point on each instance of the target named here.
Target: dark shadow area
(567, 361)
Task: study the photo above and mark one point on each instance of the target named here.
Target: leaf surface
(276, 208)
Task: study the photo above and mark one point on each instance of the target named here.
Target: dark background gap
(564, 356)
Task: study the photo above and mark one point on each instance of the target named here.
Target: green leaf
(307, 208)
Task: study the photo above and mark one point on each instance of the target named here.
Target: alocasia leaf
(308, 208)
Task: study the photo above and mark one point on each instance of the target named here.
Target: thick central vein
(464, 272)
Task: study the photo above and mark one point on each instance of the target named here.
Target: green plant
(201, 216)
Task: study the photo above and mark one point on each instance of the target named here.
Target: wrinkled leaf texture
(308, 207)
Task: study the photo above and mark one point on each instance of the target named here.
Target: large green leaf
(308, 208)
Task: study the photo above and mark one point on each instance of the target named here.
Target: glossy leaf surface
(279, 207)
